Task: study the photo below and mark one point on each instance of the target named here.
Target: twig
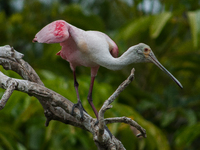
(7, 94)
(107, 103)
(127, 121)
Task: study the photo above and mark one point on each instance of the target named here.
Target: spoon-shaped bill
(157, 63)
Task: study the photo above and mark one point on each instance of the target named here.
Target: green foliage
(194, 20)
(169, 115)
(182, 141)
(135, 28)
(158, 23)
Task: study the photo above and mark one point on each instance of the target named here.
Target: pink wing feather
(58, 32)
(55, 32)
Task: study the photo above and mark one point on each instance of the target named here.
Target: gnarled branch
(57, 107)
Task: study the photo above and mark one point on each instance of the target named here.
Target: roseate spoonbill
(93, 49)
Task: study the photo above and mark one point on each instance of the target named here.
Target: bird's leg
(78, 104)
(90, 100)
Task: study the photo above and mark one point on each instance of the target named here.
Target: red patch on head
(59, 27)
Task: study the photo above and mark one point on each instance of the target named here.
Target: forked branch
(57, 107)
(107, 106)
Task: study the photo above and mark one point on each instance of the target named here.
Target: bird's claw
(81, 109)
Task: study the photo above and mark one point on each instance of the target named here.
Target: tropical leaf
(194, 21)
(186, 136)
(158, 23)
(5, 142)
(136, 26)
(167, 118)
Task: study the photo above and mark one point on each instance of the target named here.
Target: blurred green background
(171, 116)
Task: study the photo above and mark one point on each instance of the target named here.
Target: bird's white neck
(128, 57)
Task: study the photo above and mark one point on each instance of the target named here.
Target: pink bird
(93, 49)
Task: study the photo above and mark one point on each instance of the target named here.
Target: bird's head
(145, 54)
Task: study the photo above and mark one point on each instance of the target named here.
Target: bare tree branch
(7, 94)
(127, 121)
(9, 52)
(107, 103)
(57, 107)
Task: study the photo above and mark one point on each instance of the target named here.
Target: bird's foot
(97, 122)
(80, 107)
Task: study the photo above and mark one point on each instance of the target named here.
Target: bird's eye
(146, 50)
